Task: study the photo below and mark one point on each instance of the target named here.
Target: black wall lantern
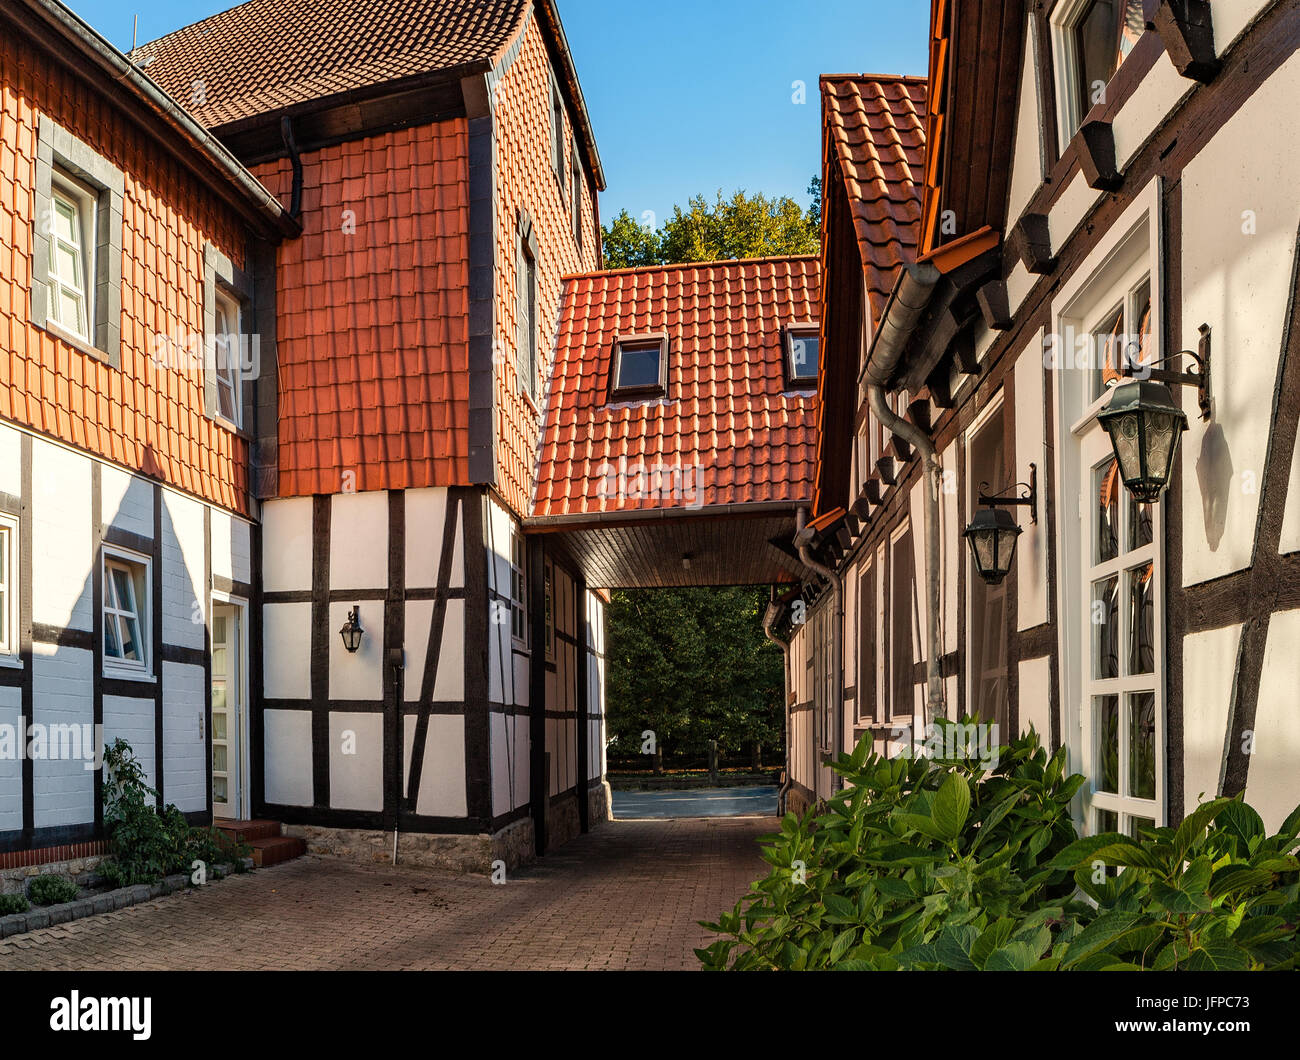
(352, 631)
(1145, 423)
(992, 532)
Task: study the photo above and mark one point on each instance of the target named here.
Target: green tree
(744, 226)
(630, 244)
(692, 665)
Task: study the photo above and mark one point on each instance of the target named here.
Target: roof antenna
(135, 29)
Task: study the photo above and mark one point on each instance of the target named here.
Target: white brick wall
(61, 695)
(11, 768)
(11, 455)
(126, 501)
(185, 778)
(62, 565)
(182, 571)
(133, 720)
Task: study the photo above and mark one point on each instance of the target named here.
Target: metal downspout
(785, 706)
(802, 538)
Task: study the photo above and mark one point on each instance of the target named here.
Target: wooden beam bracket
(1032, 240)
(1188, 35)
(1097, 156)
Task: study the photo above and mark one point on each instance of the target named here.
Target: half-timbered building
(1081, 225)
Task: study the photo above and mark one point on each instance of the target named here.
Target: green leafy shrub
(13, 903)
(51, 890)
(145, 845)
(948, 863)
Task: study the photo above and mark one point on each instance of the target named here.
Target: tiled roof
(372, 324)
(265, 55)
(876, 125)
(726, 409)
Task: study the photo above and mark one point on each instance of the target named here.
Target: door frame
(244, 750)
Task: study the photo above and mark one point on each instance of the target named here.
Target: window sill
(529, 400)
(11, 661)
(76, 341)
(126, 674)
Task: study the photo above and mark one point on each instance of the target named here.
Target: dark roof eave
(244, 190)
(599, 520)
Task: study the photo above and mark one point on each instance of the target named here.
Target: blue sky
(686, 96)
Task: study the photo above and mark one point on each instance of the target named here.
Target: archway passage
(678, 449)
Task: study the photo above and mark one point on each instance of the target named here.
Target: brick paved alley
(626, 896)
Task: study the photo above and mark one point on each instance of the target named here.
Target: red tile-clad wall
(147, 415)
(373, 308)
(526, 179)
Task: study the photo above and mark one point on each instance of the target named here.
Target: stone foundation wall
(468, 854)
(80, 870)
(564, 823)
(798, 799)
(599, 803)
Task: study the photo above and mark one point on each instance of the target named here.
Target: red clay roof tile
(877, 126)
(726, 410)
(265, 55)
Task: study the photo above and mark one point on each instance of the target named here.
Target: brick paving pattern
(625, 896)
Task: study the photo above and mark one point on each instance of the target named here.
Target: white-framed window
(1111, 551)
(126, 611)
(576, 185)
(9, 575)
(518, 589)
(901, 618)
(527, 365)
(72, 256)
(1090, 39)
(226, 356)
(557, 133)
(802, 346)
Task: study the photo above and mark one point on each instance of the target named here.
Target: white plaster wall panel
(185, 763)
(442, 777)
(126, 501)
(286, 739)
(232, 547)
(1290, 540)
(360, 674)
(359, 541)
(555, 751)
(426, 514)
(1035, 699)
(1238, 283)
(182, 571)
(1231, 18)
(1209, 666)
(11, 765)
(11, 462)
(286, 651)
(570, 729)
(1070, 208)
(62, 563)
(549, 685)
(917, 512)
(1031, 448)
(356, 760)
(1020, 282)
(1144, 111)
(286, 544)
(497, 541)
(449, 686)
(950, 697)
(1273, 783)
(63, 791)
(1026, 163)
(507, 674)
(132, 719)
(596, 620)
(509, 760)
(519, 664)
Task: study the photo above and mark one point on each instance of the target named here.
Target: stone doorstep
(66, 912)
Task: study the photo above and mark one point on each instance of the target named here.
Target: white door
(1122, 737)
(228, 712)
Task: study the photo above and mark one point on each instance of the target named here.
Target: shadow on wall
(1214, 475)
